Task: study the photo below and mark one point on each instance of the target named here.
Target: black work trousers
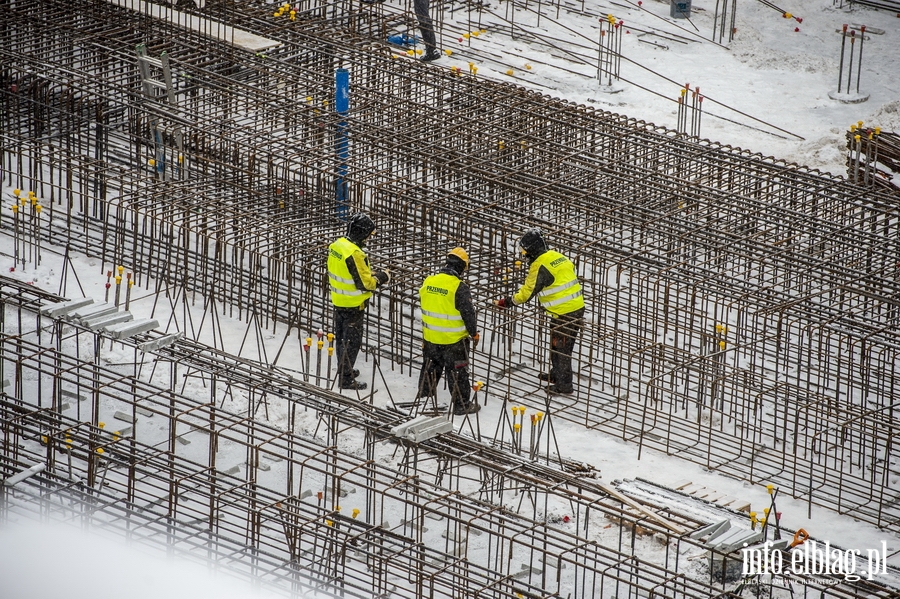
(425, 25)
(453, 360)
(348, 334)
(564, 331)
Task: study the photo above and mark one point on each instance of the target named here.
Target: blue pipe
(342, 106)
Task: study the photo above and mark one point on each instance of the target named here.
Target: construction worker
(551, 277)
(352, 282)
(448, 322)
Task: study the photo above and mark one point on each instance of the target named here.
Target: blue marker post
(342, 107)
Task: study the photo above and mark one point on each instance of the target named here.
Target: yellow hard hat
(461, 254)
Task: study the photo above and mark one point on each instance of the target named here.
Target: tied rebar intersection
(743, 311)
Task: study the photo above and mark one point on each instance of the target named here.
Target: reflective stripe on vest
(344, 292)
(442, 323)
(564, 295)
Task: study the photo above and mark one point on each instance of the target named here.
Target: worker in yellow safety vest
(352, 282)
(551, 277)
(448, 323)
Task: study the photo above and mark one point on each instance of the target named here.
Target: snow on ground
(615, 459)
(39, 561)
(770, 72)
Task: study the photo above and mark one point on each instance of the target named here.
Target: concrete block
(233, 470)
(734, 539)
(129, 329)
(711, 530)
(125, 432)
(160, 343)
(104, 321)
(183, 440)
(92, 311)
(422, 428)
(124, 417)
(70, 395)
(144, 412)
(59, 309)
(527, 570)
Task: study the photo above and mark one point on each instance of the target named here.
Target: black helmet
(359, 227)
(533, 243)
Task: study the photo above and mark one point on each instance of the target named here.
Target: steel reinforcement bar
(333, 525)
(762, 297)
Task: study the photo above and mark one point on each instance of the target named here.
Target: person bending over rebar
(352, 282)
(448, 322)
(427, 28)
(551, 276)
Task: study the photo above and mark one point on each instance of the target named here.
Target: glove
(383, 277)
(504, 302)
(475, 339)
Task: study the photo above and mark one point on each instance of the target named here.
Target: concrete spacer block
(92, 311)
(107, 320)
(58, 309)
(129, 329)
(124, 417)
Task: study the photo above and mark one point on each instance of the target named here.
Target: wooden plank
(647, 512)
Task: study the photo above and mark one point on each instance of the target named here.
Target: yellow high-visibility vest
(344, 293)
(441, 321)
(564, 294)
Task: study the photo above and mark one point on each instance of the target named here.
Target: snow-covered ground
(777, 71)
(616, 460)
(39, 561)
(771, 72)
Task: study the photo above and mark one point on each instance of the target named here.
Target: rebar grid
(716, 279)
(328, 526)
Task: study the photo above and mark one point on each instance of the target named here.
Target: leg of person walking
(432, 366)
(348, 333)
(427, 28)
(563, 333)
(456, 365)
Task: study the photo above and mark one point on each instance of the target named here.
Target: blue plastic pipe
(342, 107)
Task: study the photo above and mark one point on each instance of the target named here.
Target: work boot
(354, 385)
(554, 388)
(431, 55)
(546, 376)
(472, 408)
